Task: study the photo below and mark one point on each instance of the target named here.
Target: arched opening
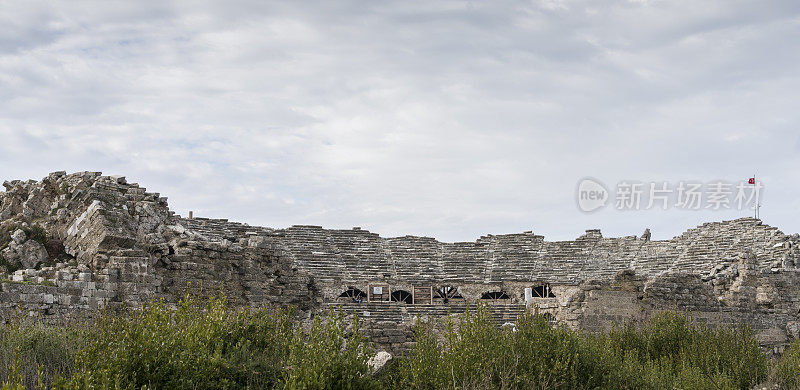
(402, 296)
(446, 293)
(495, 295)
(353, 294)
(543, 291)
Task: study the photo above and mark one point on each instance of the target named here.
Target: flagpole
(755, 207)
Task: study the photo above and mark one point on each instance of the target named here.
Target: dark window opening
(543, 291)
(495, 295)
(402, 296)
(354, 294)
(422, 295)
(447, 293)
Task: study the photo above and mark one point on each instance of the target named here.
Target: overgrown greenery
(5, 235)
(203, 343)
(34, 354)
(200, 344)
(5, 239)
(36, 233)
(670, 352)
(786, 373)
(9, 268)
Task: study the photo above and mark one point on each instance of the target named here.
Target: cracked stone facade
(110, 243)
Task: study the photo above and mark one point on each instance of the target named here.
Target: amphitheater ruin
(71, 243)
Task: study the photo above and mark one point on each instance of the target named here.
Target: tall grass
(786, 372)
(670, 352)
(34, 355)
(203, 343)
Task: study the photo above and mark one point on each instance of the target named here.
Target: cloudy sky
(449, 119)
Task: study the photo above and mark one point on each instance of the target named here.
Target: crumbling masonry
(73, 243)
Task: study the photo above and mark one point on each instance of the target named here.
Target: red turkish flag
(752, 180)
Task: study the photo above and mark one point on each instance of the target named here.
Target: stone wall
(123, 247)
(110, 243)
(391, 326)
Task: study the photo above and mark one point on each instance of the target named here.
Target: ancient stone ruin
(71, 244)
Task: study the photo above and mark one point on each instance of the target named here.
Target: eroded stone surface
(379, 362)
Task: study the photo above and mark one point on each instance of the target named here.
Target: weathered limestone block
(24, 253)
(765, 294)
(793, 329)
(96, 229)
(379, 362)
(19, 236)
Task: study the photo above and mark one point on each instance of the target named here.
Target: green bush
(204, 344)
(473, 353)
(670, 352)
(786, 371)
(673, 349)
(36, 233)
(10, 268)
(198, 345)
(34, 355)
(328, 357)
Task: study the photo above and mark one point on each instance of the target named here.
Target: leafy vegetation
(9, 268)
(203, 343)
(5, 235)
(786, 372)
(33, 354)
(670, 352)
(36, 233)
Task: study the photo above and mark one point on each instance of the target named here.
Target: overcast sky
(448, 119)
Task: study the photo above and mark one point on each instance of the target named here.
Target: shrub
(786, 371)
(674, 349)
(10, 268)
(36, 233)
(200, 344)
(474, 353)
(670, 352)
(34, 355)
(204, 344)
(328, 357)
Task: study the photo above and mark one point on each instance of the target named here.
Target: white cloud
(443, 118)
